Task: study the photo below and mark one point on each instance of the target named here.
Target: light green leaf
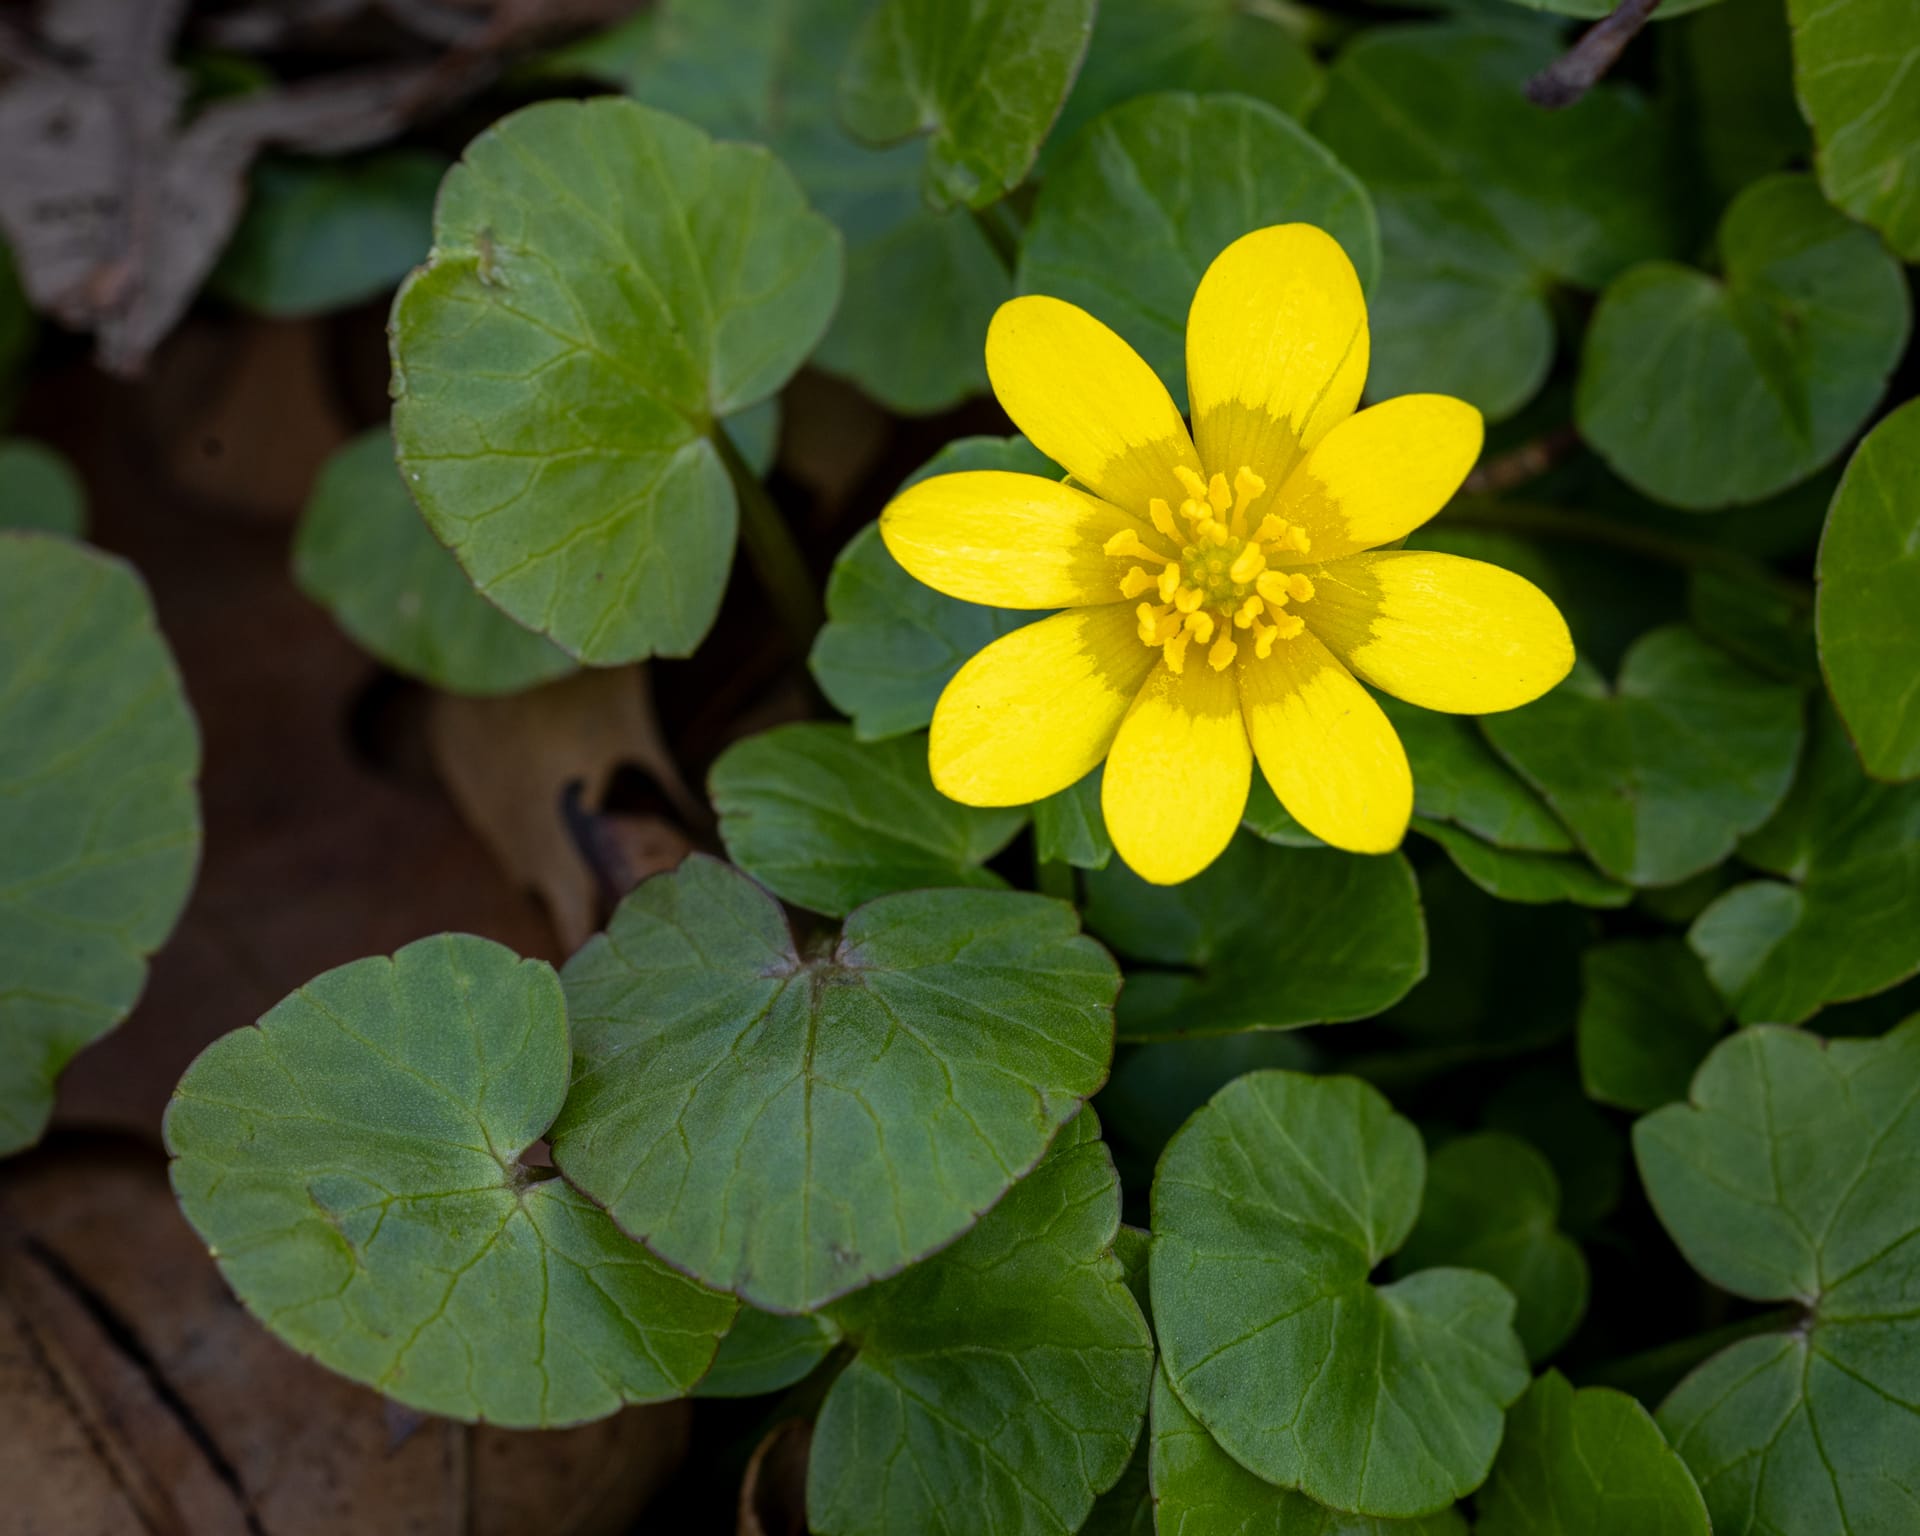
(890, 644)
(792, 1127)
(1659, 775)
(1789, 1177)
(39, 491)
(1202, 1491)
(827, 822)
(1265, 938)
(1070, 828)
(353, 1161)
(1587, 1463)
(985, 79)
(364, 555)
(1868, 611)
(766, 1352)
(1843, 921)
(1127, 223)
(320, 235)
(1648, 1015)
(1710, 391)
(1853, 71)
(1271, 1209)
(605, 282)
(1486, 202)
(1492, 1203)
(99, 823)
(1005, 1378)
(1533, 878)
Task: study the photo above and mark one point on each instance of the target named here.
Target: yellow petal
(1276, 349)
(1011, 541)
(1086, 400)
(1379, 475)
(1036, 710)
(1329, 752)
(1176, 780)
(1441, 631)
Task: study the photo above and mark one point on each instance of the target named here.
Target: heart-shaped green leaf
(1533, 878)
(354, 1164)
(1587, 1463)
(1710, 391)
(828, 822)
(1006, 1377)
(1659, 775)
(1853, 68)
(1868, 612)
(1202, 1491)
(1266, 938)
(364, 554)
(1137, 209)
(1789, 1177)
(606, 281)
(1486, 202)
(39, 492)
(1070, 828)
(1457, 777)
(1843, 921)
(1492, 1203)
(792, 1127)
(1648, 1015)
(1271, 1209)
(99, 823)
(986, 80)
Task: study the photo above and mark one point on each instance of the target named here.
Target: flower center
(1219, 585)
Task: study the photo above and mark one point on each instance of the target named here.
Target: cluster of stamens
(1220, 581)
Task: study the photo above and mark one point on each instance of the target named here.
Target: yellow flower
(1222, 591)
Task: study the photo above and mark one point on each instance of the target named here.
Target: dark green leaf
(1534, 878)
(1457, 777)
(1868, 615)
(39, 492)
(766, 1352)
(1648, 1015)
(1789, 1177)
(1738, 64)
(364, 555)
(354, 1164)
(791, 1128)
(605, 282)
(1706, 391)
(1266, 938)
(99, 823)
(1069, 827)
(1659, 775)
(1546, 1106)
(1271, 1209)
(827, 822)
(1762, 622)
(1135, 212)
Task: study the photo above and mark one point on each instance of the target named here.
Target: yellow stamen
(1187, 599)
(1250, 563)
(1176, 653)
(1200, 626)
(1162, 516)
(1272, 585)
(1191, 482)
(1219, 494)
(1250, 610)
(1297, 539)
(1135, 582)
(1263, 637)
(1288, 625)
(1149, 617)
(1222, 654)
(1127, 542)
(1246, 486)
(1300, 588)
(1169, 582)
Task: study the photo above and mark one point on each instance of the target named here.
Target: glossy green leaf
(1458, 778)
(827, 822)
(99, 823)
(1202, 1491)
(364, 555)
(1587, 1463)
(1546, 1105)
(1486, 203)
(320, 235)
(1659, 775)
(1843, 919)
(1492, 1203)
(791, 1127)
(39, 491)
(1705, 391)
(1006, 1377)
(605, 282)
(1737, 61)
(1070, 828)
(1648, 1015)
(1129, 220)
(1271, 1209)
(1789, 1177)
(1763, 622)
(1854, 64)
(985, 79)
(353, 1161)
(890, 644)
(767, 1352)
(1265, 938)
(1533, 878)
(1868, 612)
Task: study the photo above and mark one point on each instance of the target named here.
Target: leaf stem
(1001, 225)
(770, 545)
(1575, 72)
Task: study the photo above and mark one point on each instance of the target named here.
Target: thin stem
(1002, 228)
(1575, 72)
(770, 545)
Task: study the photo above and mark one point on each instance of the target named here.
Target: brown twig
(1514, 468)
(1573, 74)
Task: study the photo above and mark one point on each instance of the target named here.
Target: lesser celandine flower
(1222, 591)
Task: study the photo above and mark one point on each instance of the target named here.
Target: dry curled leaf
(773, 1494)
